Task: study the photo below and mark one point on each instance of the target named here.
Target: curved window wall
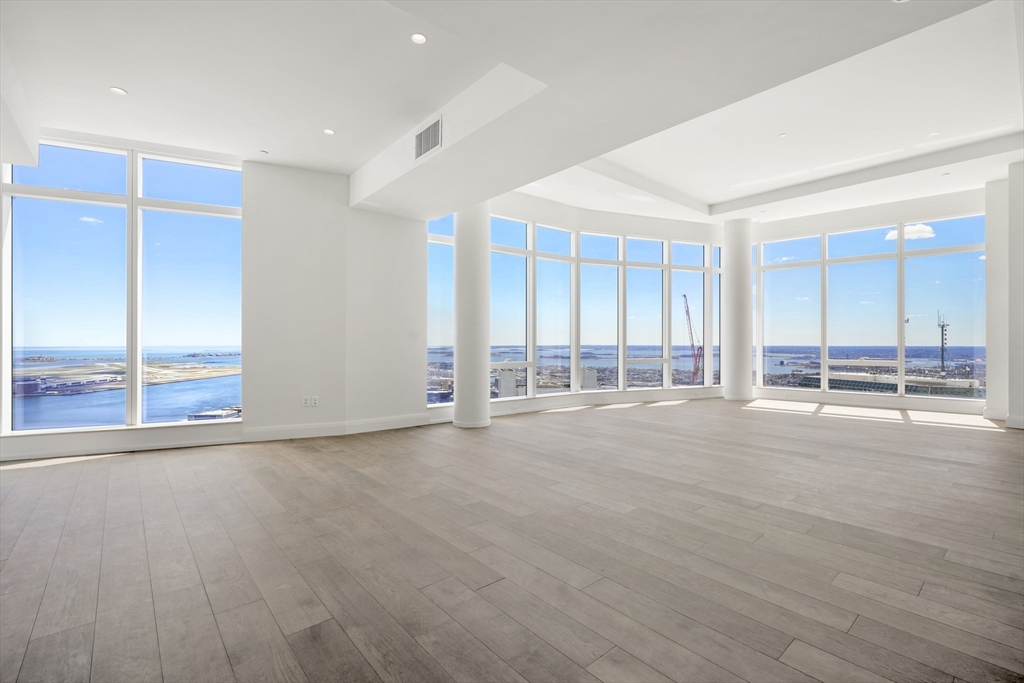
(577, 311)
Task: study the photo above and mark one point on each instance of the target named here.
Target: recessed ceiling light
(946, 173)
(900, 2)
(764, 210)
(419, 38)
(263, 151)
(931, 135)
(328, 131)
(782, 135)
(118, 91)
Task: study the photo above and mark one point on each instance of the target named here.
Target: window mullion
(133, 346)
(901, 327)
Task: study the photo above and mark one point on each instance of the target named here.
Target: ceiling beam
(974, 150)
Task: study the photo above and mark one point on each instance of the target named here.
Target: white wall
(386, 336)
(334, 305)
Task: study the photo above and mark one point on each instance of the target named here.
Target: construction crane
(696, 352)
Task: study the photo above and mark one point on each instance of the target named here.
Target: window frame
(134, 205)
(576, 261)
(900, 256)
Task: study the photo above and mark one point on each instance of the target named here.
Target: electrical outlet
(316, 401)
(305, 401)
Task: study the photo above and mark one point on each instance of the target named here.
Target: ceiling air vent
(428, 139)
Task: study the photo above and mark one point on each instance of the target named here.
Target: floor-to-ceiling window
(511, 361)
(896, 310)
(583, 311)
(441, 310)
(124, 284)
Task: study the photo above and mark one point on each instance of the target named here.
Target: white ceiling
(237, 77)
(948, 85)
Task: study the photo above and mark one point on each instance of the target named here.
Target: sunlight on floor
(892, 415)
(855, 412)
(666, 403)
(565, 410)
(784, 406)
(615, 406)
(55, 461)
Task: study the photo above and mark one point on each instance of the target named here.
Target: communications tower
(942, 349)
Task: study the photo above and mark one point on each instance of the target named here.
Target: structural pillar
(473, 316)
(737, 311)
(997, 290)
(1015, 303)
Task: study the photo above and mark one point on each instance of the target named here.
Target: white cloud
(90, 219)
(783, 259)
(802, 298)
(981, 258)
(918, 231)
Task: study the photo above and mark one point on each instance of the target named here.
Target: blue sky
(862, 296)
(70, 258)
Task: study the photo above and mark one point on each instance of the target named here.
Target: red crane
(696, 352)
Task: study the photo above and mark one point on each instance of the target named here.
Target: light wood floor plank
(703, 541)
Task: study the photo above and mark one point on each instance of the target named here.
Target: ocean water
(172, 402)
(160, 403)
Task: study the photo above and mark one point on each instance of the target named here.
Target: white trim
(1015, 422)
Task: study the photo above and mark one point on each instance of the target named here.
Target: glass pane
(862, 311)
(442, 226)
(508, 382)
(643, 313)
(753, 309)
(69, 320)
(791, 251)
(191, 317)
(947, 233)
(440, 323)
(684, 254)
(945, 325)
(873, 379)
(753, 256)
(508, 233)
(553, 313)
(508, 307)
(862, 325)
(191, 183)
(554, 241)
(599, 327)
(862, 242)
(792, 326)
(716, 257)
(687, 328)
(67, 168)
(716, 329)
(644, 251)
(599, 247)
(644, 376)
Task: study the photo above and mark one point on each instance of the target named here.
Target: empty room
(597, 341)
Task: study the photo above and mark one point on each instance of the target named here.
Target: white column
(1015, 318)
(997, 236)
(473, 316)
(737, 311)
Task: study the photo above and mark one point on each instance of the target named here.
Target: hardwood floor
(685, 541)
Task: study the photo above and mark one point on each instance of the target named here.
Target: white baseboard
(1015, 421)
(381, 423)
(993, 414)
